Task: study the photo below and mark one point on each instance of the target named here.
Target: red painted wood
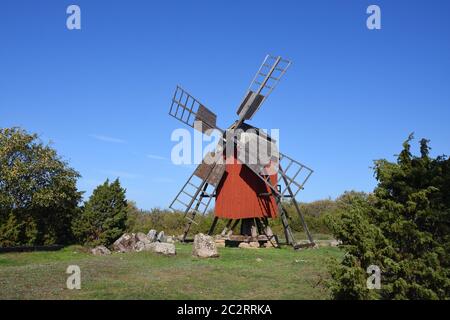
(237, 195)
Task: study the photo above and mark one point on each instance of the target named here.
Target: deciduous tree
(38, 194)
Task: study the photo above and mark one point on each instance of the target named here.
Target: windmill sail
(294, 174)
(192, 112)
(197, 193)
(266, 79)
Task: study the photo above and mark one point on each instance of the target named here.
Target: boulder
(100, 251)
(142, 237)
(140, 246)
(335, 243)
(141, 242)
(126, 243)
(268, 244)
(151, 235)
(246, 245)
(169, 239)
(220, 243)
(204, 246)
(161, 237)
(167, 249)
(254, 244)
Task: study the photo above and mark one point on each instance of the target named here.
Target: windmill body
(242, 195)
(246, 175)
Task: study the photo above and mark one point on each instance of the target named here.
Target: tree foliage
(403, 228)
(38, 194)
(172, 223)
(104, 216)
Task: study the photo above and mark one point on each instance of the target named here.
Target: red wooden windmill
(248, 185)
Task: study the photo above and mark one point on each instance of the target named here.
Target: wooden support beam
(230, 232)
(213, 226)
(225, 230)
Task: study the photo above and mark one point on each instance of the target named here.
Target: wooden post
(213, 226)
(233, 227)
(254, 230)
(225, 230)
(248, 227)
(287, 229)
(267, 231)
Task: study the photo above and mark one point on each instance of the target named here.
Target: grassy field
(237, 274)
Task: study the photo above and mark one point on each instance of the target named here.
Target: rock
(244, 245)
(268, 244)
(220, 243)
(169, 239)
(140, 246)
(204, 246)
(142, 237)
(259, 260)
(141, 242)
(320, 243)
(161, 237)
(167, 249)
(254, 244)
(100, 251)
(126, 243)
(335, 243)
(151, 235)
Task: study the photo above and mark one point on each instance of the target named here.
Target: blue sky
(102, 94)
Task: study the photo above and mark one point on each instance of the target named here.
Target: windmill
(250, 189)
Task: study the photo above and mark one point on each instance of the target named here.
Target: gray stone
(220, 243)
(142, 237)
(335, 243)
(100, 251)
(152, 235)
(204, 247)
(246, 245)
(167, 249)
(126, 243)
(254, 244)
(268, 244)
(141, 242)
(169, 239)
(140, 246)
(161, 237)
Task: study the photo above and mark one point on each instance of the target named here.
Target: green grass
(282, 274)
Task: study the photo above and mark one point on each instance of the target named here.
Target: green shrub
(103, 218)
(172, 223)
(403, 228)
